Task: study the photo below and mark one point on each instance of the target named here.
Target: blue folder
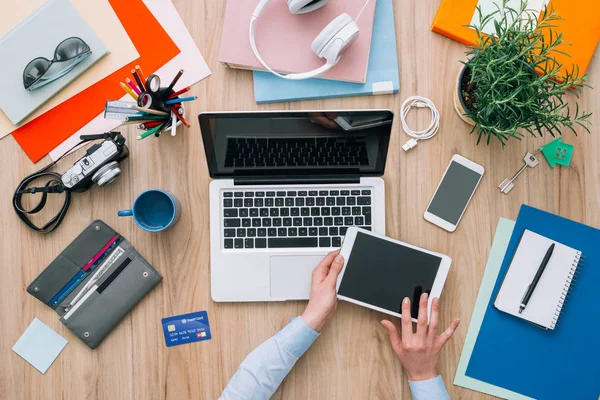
(382, 74)
(546, 364)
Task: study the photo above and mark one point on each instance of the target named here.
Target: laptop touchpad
(291, 276)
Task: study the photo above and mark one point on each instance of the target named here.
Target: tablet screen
(382, 273)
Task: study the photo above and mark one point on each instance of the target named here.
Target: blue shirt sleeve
(430, 389)
(261, 373)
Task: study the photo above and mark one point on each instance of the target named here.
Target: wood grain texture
(352, 358)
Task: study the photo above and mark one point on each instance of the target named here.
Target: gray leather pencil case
(95, 282)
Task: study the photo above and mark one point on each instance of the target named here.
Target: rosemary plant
(513, 82)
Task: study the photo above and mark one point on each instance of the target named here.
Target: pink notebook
(284, 39)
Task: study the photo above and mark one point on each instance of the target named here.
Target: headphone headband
(304, 6)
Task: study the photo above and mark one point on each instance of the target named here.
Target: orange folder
(580, 27)
(155, 47)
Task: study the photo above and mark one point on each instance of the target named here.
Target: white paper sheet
(190, 59)
(489, 6)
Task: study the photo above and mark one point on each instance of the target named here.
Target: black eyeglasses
(38, 72)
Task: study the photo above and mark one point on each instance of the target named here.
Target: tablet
(379, 272)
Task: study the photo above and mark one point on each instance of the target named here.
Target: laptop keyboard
(297, 152)
(292, 219)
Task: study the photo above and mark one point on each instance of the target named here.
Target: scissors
(151, 94)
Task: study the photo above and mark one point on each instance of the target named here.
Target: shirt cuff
(297, 337)
(433, 388)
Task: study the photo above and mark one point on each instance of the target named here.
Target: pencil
(180, 100)
(128, 91)
(137, 79)
(175, 80)
(145, 118)
(149, 132)
(177, 93)
(133, 86)
(179, 117)
(151, 111)
(140, 73)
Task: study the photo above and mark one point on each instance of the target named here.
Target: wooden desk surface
(352, 359)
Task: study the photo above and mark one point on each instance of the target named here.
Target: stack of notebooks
(67, 58)
(369, 67)
(550, 350)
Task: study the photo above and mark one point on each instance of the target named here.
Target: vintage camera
(100, 165)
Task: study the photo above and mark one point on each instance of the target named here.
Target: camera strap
(53, 185)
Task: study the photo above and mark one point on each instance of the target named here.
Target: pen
(536, 279)
(173, 124)
(150, 125)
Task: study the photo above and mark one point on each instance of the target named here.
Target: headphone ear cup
(305, 6)
(329, 32)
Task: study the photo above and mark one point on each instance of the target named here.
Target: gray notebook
(42, 55)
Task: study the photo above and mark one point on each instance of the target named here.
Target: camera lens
(107, 174)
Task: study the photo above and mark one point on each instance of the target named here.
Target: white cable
(430, 131)
(361, 11)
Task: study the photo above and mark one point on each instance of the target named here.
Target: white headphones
(330, 44)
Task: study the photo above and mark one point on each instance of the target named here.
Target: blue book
(546, 364)
(382, 74)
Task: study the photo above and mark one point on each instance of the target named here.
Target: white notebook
(546, 302)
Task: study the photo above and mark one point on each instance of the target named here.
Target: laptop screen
(303, 143)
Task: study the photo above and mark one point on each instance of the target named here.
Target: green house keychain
(558, 153)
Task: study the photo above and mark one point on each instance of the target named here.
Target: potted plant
(512, 83)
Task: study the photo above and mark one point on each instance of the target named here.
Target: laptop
(286, 187)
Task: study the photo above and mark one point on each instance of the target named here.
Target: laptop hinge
(296, 180)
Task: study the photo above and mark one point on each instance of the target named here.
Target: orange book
(155, 47)
(580, 26)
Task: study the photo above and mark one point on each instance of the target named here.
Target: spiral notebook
(546, 303)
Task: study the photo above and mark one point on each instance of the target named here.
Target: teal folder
(563, 363)
(382, 74)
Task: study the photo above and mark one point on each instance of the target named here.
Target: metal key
(530, 161)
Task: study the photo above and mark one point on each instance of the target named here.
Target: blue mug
(154, 210)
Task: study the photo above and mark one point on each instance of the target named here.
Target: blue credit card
(186, 328)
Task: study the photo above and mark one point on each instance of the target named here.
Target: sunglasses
(40, 71)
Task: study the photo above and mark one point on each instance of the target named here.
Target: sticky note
(39, 345)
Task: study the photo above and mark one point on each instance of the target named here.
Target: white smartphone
(454, 193)
(380, 272)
